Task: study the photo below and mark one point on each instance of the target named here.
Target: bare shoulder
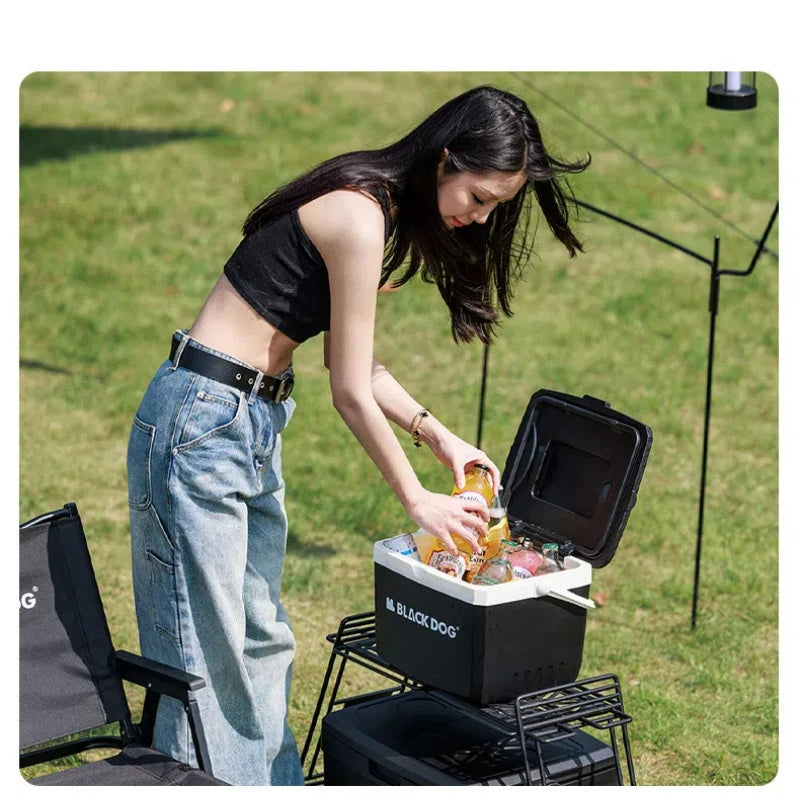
(343, 221)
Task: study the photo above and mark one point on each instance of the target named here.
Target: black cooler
(571, 477)
(415, 739)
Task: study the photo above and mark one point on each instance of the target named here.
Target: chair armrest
(157, 677)
(160, 679)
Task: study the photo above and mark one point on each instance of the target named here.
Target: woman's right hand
(442, 515)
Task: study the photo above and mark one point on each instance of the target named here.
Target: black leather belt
(231, 373)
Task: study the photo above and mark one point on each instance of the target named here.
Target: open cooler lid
(572, 473)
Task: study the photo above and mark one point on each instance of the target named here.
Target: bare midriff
(228, 323)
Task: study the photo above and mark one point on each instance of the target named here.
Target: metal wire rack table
(530, 721)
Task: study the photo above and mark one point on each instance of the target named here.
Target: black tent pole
(484, 378)
(713, 307)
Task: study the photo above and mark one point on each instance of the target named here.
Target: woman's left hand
(460, 457)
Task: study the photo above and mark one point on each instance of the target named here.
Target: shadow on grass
(25, 363)
(301, 549)
(54, 143)
(54, 369)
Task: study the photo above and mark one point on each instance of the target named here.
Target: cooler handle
(570, 597)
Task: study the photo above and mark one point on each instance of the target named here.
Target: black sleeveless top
(280, 273)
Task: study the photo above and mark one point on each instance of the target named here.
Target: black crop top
(280, 273)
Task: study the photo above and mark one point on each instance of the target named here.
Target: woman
(206, 493)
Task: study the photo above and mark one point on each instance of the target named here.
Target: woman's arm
(347, 228)
(398, 406)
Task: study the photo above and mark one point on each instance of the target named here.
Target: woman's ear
(440, 165)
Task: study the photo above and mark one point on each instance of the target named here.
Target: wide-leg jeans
(208, 536)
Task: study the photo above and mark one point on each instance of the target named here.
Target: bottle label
(449, 564)
(403, 544)
(520, 573)
(471, 495)
(476, 561)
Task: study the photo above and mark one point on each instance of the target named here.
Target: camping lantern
(731, 91)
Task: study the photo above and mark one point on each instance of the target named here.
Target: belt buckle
(284, 389)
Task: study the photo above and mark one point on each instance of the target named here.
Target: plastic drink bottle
(497, 569)
(525, 560)
(549, 559)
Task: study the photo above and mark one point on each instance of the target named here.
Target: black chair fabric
(69, 672)
(132, 766)
(63, 632)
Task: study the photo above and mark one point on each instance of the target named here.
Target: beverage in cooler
(466, 562)
(498, 568)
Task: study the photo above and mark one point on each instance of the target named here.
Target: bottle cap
(481, 466)
(550, 546)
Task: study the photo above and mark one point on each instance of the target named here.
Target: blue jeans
(208, 539)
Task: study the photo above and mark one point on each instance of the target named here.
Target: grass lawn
(133, 188)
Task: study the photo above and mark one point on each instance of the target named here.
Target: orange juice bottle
(424, 542)
(496, 531)
(477, 486)
(455, 565)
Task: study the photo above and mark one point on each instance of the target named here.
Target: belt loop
(181, 347)
(256, 386)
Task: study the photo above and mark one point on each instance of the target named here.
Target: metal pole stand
(529, 721)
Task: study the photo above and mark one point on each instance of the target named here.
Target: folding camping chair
(70, 677)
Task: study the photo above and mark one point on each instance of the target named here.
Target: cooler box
(414, 739)
(571, 477)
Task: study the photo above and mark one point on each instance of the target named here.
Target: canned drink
(403, 544)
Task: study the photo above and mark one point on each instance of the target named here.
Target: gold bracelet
(416, 423)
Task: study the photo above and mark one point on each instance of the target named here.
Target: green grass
(133, 187)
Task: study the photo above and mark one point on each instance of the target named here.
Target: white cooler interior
(576, 573)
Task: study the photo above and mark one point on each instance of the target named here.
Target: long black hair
(482, 130)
